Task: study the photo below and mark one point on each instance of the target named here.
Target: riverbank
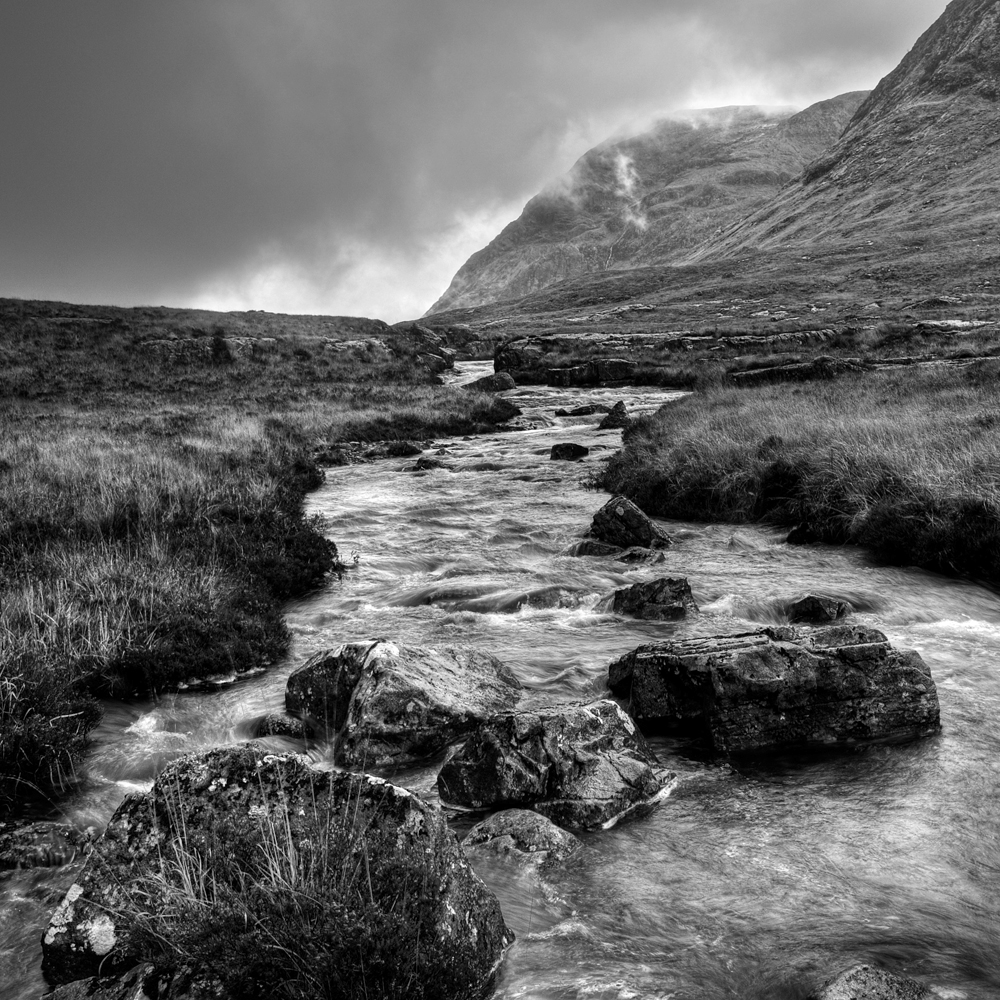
(904, 463)
(152, 478)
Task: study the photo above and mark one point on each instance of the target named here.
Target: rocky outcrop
(620, 522)
(823, 367)
(598, 371)
(520, 357)
(666, 599)
(497, 382)
(865, 982)
(617, 419)
(387, 703)
(568, 452)
(522, 831)
(208, 349)
(778, 688)
(815, 610)
(236, 803)
(582, 767)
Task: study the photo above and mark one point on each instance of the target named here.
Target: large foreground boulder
(583, 767)
(263, 870)
(620, 522)
(865, 982)
(386, 703)
(778, 688)
(666, 599)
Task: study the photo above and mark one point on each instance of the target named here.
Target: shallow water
(750, 881)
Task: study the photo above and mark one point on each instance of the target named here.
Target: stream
(753, 880)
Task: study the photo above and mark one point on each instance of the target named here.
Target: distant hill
(917, 168)
(650, 198)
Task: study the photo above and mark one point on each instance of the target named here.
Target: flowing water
(754, 880)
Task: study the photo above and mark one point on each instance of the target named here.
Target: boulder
(617, 418)
(387, 703)
(583, 767)
(522, 831)
(814, 610)
(666, 599)
(497, 382)
(519, 356)
(619, 522)
(776, 688)
(275, 724)
(279, 841)
(42, 845)
(614, 369)
(865, 982)
(568, 452)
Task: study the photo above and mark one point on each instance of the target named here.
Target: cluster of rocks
(541, 771)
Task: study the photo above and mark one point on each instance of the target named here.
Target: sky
(347, 156)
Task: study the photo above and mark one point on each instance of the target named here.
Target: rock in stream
(777, 688)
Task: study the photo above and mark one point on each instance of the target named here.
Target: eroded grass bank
(906, 463)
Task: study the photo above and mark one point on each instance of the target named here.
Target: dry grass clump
(907, 463)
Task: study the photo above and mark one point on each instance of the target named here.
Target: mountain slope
(649, 198)
(918, 165)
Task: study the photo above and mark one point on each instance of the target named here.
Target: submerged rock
(385, 702)
(143, 982)
(814, 610)
(666, 599)
(568, 452)
(620, 522)
(583, 767)
(865, 982)
(584, 411)
(592, 547)
(522, 831)
(42, 845)
(275, 724)
(776, 688)
(617, 418)
(227, 807)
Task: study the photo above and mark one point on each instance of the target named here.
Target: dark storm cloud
(334, 154)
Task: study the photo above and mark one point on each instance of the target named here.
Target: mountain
(916, 171)
(650, 198)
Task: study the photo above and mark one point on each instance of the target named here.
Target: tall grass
(907, 463)
(132, 559)
(313, 896)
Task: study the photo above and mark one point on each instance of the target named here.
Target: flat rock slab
(522, 831)
(777, 687)
(666, 599)
(865, 982)
(620, 522)
(252, 801)
(386, 703)
(581, 766)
